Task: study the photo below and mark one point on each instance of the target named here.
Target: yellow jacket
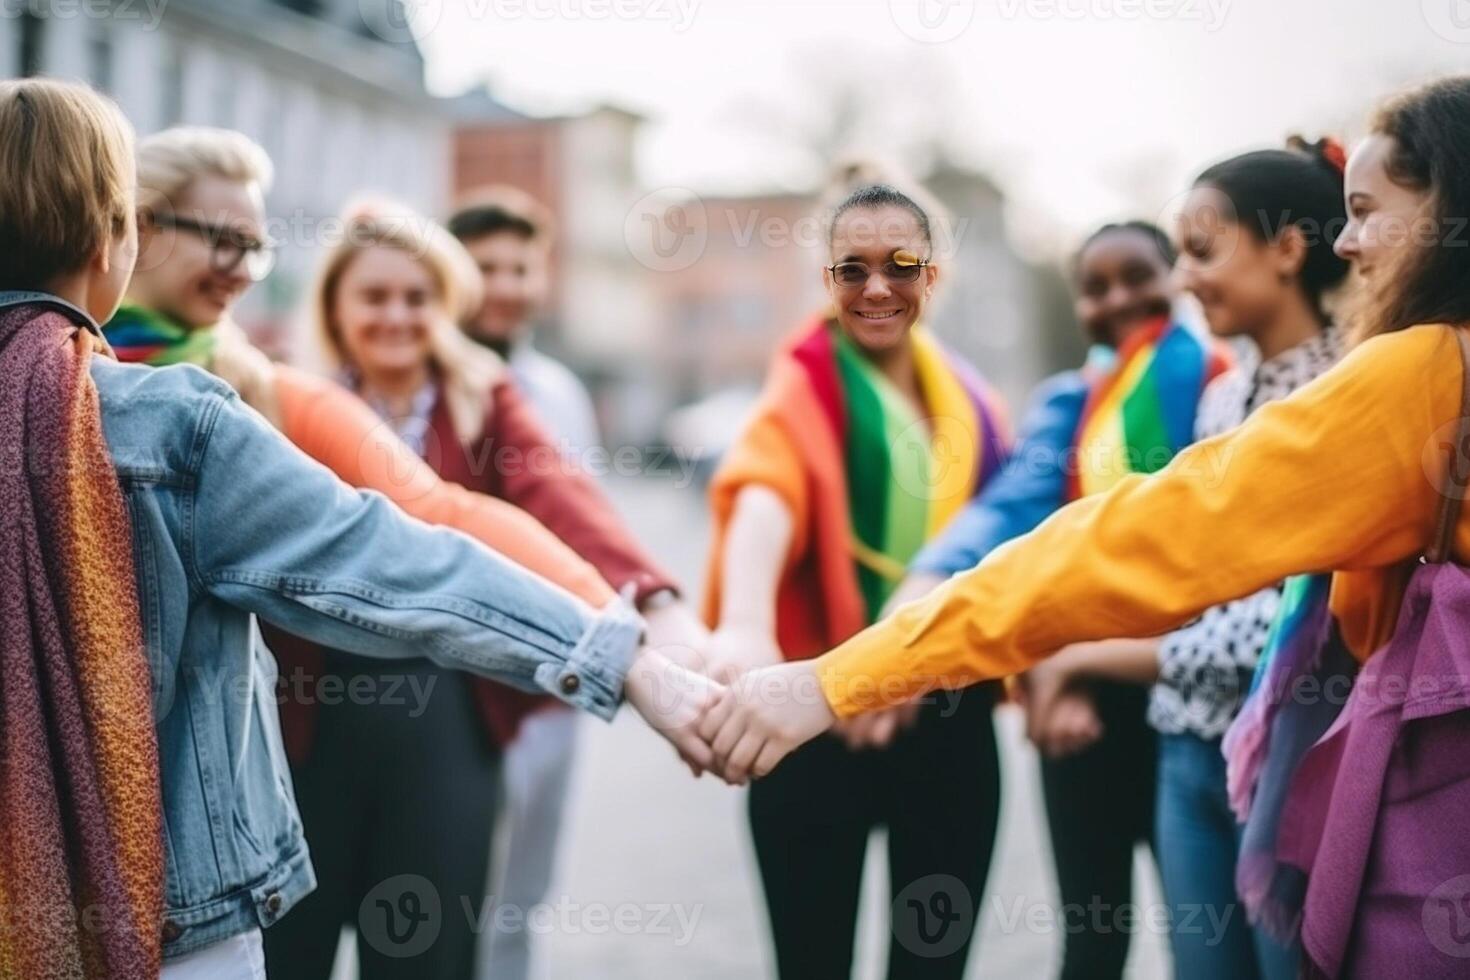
(1341, 476)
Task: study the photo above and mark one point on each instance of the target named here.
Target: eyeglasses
(857, 273)
(227, 247)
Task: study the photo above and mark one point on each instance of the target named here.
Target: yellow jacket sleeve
(1338, 476)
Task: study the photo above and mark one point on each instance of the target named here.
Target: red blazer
(517, 460)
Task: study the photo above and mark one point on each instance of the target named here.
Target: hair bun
(1328, 149)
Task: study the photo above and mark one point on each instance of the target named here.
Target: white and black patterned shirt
(1205, 666)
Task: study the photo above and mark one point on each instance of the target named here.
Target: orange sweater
(334, 427)
(1339, 476)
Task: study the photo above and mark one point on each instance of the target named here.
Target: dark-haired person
(868, 437)
(1358, 472)
(508, 236)
(1141, 384)
(149, 822)
(1256, 234)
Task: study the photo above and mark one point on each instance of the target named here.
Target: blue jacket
(1032, 485)
(230, 520)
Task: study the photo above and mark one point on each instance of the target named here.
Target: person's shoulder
(155, 419)
(1428, 340)
(535, 369)
(1420, 359)
(1060, 386)
(135, 385)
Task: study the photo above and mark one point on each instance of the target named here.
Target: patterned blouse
(1205, 666)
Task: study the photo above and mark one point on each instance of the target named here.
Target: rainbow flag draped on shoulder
(1142, 411)
(907, 475)
(867, 477)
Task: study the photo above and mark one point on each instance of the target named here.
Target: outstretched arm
(334, 427)
(1342, 474)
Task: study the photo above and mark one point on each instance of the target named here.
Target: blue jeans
(1197, 841)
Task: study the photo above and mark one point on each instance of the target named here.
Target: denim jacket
(230, 520)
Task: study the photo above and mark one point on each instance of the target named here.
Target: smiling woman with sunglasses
(868, 438)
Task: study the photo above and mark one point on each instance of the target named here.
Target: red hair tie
(1332, 151)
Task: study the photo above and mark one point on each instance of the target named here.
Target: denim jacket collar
(18, 297)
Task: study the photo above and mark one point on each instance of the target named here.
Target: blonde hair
(169, 162)
(67, 156)
(467, 371)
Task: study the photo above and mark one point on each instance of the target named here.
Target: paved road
(657, 876)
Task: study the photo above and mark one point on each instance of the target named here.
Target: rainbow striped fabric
(1141, 412)
(906, 475)
(1271, 735)
(142, 336)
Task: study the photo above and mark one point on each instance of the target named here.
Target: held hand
(878, 729)
(672, 700)
(1038, 690)
(761, 717)
(674, 631)
(1071, 726)
(735, 649)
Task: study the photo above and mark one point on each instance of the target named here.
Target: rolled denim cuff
(591, 678)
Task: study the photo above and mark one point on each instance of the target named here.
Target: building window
(99, 56)
(32, 40)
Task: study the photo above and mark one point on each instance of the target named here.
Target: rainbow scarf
(1141, 411)
(906, 476)
(81, 828)
(143, 336)
(1272, 734)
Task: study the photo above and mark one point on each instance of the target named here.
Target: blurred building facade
(333, 89)
(604, 317)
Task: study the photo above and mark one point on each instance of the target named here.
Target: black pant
(398, 812)
(1099, 804)
(936, 789)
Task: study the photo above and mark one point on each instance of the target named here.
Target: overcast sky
(1082, 109)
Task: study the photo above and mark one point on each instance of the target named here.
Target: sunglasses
(853, 274)
(227, 248)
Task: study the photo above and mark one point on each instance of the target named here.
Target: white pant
(536, 771)
(238, 958)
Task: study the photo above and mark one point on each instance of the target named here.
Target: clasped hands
(725, 701)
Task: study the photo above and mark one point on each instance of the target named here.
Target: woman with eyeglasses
(202, 243)
(868, 437)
